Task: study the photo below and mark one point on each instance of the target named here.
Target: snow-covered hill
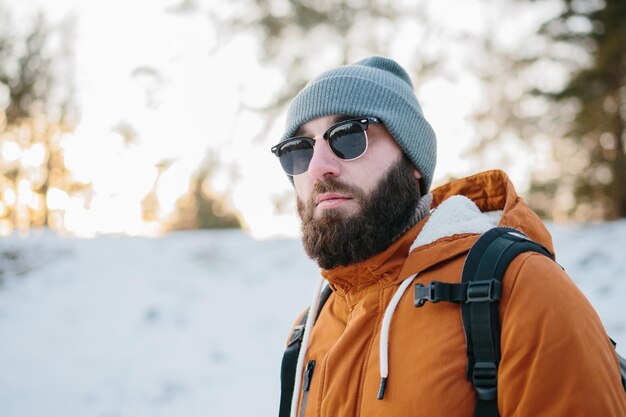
(192, 324)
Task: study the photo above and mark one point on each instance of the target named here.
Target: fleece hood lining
(456, 215)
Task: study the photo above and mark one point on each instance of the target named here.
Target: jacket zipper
(308, 375)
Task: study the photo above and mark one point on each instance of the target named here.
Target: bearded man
(361, 156)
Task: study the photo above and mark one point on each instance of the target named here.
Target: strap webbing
(487, 261)
(288, 375)
(290, 358)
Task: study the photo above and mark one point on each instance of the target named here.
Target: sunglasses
(347, 141)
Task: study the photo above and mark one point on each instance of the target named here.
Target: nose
(324, 162)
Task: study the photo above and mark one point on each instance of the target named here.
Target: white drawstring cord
(384, 334)
(308, 326)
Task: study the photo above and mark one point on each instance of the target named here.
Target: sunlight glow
(24, 192)
(34, 156)
(9, 196)
(172, 184)
(10, 151)
(57, 199)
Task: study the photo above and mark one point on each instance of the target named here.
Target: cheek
(377, 169)
(303, 186)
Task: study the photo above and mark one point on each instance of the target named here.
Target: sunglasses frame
(364, 122)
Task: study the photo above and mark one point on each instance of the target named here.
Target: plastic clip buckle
(296, 334)
(485, 380)
(478, 291)
(425, 293)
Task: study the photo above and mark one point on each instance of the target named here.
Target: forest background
(147, 117)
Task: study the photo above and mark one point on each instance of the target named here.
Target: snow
(193, 323)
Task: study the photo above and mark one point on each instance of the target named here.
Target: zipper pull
(308, 375)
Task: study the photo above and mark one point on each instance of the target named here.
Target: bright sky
(189, 107)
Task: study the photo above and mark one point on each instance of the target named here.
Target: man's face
(351, 210)
(361, 174)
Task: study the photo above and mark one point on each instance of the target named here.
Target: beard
(336, 239)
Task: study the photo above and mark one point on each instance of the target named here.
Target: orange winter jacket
(556, 358)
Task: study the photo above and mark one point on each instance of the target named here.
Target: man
(361, 156)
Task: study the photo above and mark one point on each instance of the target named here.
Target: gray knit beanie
(377, 87)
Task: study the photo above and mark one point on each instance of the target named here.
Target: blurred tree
(595, 96)
(201, 207)
(563, 96)
(34, 114)
(150, 207)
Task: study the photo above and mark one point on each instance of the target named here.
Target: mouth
(330, 200)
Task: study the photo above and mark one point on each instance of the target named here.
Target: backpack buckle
(434, 292)
(296, 334)
(485, 380)
(479, 291)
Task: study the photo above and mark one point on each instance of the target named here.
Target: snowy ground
(192, 324)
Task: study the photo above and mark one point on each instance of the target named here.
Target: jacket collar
(376, 272)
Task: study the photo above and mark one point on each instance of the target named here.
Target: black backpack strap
(479, 295)
(290, 358)
(484, 268)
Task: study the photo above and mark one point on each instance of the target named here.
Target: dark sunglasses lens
(295, 156)
(348, 140)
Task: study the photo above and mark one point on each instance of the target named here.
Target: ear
(416, 174)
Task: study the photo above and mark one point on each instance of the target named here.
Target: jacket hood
(493, 191)
(466, 208)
